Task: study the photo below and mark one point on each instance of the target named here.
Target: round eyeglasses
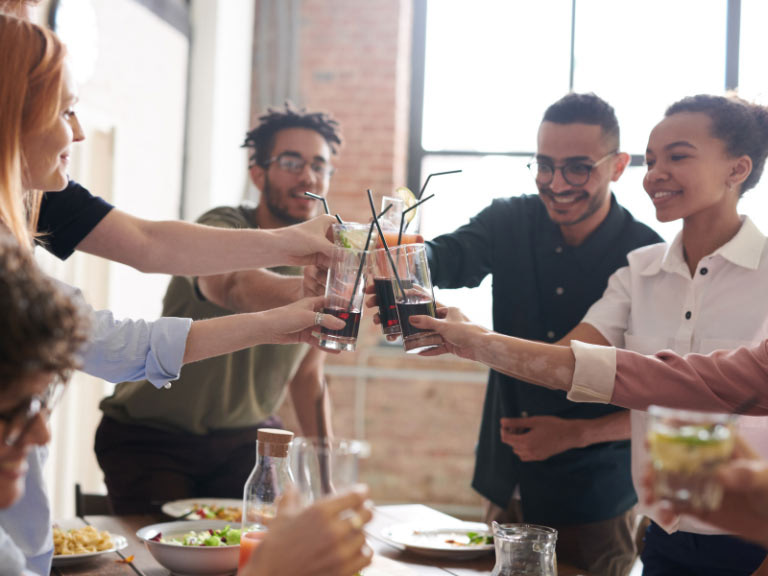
(574, 173)
(294, 164)
(19, 420)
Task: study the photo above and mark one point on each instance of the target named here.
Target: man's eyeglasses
(18, 421)
(295, 165)
(574, 173)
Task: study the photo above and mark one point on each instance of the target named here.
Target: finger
(355, 498)
(741, 449)
(371, 302)
(439, 351)
(376, 319)
(427, 322)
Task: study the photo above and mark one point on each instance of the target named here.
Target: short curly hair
(262, 138)
(43, 328)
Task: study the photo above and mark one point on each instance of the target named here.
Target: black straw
(403, 223)
(362, 260)
(324, 201)
(421, 192)
(384, 242)
(339, 219)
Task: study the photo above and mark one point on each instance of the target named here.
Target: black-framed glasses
(19, 420)
(574, 173)
(295, 164)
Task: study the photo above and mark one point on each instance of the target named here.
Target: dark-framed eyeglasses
(295, 165)
(19, 420)
(574, 173)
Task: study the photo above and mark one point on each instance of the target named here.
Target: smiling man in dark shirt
(541, 458)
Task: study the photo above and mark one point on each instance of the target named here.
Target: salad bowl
(164, 542)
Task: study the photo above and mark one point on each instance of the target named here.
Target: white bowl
(190, 560)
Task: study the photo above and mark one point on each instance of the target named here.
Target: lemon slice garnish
(408, 198)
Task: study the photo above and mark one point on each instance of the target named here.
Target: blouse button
(703, 271)
(688, 315)
(550, 335)
(558, 250)
(559, 290)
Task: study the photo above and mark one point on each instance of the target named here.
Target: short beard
(274, 208)
(594, 204)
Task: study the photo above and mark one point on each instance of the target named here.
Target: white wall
(219, 104)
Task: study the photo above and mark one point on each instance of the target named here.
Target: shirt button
(688, 315)
(703, 271)
(551, 335)
(559, 290)
(558, 249)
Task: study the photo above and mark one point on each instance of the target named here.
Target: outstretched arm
(286, 325)
(185, 249)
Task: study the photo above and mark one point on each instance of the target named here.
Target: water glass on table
(324, 466)
(344, 291)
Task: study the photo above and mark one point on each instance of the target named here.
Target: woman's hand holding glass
(744, 507)
(295, 322)
(460, 336)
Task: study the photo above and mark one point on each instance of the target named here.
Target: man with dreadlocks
(197, 439)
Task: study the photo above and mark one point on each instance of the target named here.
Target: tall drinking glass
(413, 296)
(686, 449)
(344, 298)
(383, 279)
(324, 466)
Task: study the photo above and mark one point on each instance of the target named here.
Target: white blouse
(654, 304)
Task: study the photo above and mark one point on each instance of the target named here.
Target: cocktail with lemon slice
(686, 448)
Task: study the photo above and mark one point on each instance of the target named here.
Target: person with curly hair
(197, 438)
(43, 328)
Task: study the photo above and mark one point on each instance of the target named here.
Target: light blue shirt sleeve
(130, 350)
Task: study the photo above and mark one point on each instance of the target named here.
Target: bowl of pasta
(194, 548)
(74, 543)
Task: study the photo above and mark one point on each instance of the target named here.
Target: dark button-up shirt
(542, 288)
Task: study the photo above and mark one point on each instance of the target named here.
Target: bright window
(491, 67)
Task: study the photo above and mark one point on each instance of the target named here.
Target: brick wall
(420, 415)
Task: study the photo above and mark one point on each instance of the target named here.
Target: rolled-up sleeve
(594, 373)
(130, 350)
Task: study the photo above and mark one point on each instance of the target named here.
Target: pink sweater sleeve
(720, 381)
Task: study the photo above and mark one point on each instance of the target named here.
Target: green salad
(226, 536)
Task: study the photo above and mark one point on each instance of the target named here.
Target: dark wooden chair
(91, 504)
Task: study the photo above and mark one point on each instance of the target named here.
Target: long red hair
(31, 81)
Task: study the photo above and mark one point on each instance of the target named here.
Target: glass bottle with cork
(270, 477)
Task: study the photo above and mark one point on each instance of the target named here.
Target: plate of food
(459, 542)
(227, 509)
(73, 545)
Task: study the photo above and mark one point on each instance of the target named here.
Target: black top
(67, 217)
(542, 288)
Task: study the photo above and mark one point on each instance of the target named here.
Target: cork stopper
(273, 441)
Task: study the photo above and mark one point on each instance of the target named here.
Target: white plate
(432, 541)
(69, 559)
(179, 508)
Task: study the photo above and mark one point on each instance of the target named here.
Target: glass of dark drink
(383, 280)
(413, 296)
(344, 298)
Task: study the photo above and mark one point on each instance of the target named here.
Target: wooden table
(389, 559)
